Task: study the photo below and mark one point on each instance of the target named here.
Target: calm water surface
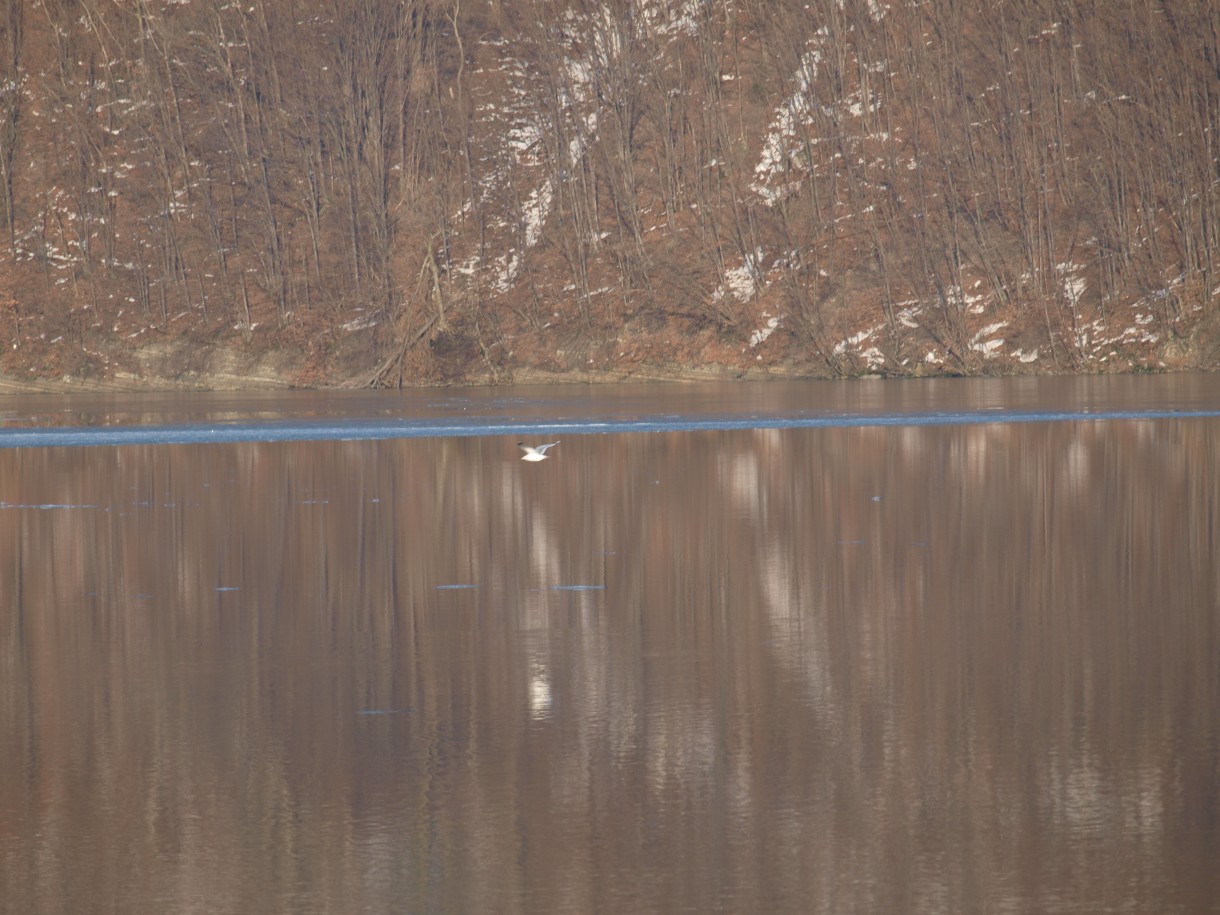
(907, 668)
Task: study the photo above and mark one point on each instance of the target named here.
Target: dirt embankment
(191, 367)
(175, 366)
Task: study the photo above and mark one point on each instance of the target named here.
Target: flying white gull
(535, 453)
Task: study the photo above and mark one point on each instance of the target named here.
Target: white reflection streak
(543, 551)
(796, 644)
(1076, 465)
(742, 475)
(1076, 794)
(681, 746)
(1146, 816)
(1083, 799)
(530, 523)
(800, 650)
(540, 691)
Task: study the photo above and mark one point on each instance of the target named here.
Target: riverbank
(190, 366)
(266, 377)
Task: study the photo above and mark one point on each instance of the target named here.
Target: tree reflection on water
(900, 669)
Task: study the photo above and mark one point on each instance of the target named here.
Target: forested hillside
(411, 191)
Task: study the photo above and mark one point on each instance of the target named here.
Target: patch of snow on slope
(988, 347)
(1074, 285)
(743, 281)
(906, 317)
(853, 341)
(761, 335)
(664, 20)
(577, 94)
(534, 213)
(793, 111)
(872, 356)
(593, 44)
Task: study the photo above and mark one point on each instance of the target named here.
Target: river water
(946, 646)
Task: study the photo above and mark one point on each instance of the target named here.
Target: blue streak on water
(368, 430)
(49, 506)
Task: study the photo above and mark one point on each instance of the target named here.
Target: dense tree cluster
(480, 174)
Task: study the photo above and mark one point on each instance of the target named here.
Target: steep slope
(365, 192)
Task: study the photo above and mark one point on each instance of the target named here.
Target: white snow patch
(777, 146)
(743, 281)
(523, 137)
(1074, 285)
(361, 323)
(989, 346)
(990, 329)
(760, 335)
(661, 19)
(873, 357)
(853, 340)
(740, 282)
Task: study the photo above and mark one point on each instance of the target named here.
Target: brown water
(908, 669)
